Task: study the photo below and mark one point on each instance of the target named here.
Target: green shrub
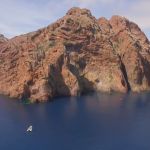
(51, 43)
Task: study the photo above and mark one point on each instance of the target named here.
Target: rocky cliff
(77, 54)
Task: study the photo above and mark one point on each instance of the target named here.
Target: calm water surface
(93, 122)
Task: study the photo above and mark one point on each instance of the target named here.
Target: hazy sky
(22, 16)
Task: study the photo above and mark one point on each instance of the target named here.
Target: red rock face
(75, 55)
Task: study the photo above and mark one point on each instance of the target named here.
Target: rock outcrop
(3, 39)
(75, 55)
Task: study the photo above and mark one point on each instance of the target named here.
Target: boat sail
(29, 129)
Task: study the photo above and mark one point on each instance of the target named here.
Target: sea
(97, 121)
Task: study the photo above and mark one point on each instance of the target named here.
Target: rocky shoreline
(77, 54)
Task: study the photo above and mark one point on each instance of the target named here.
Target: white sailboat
(29, 129)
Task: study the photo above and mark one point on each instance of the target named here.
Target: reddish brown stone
(75, 55)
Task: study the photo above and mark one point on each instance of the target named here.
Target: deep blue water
(93, 122)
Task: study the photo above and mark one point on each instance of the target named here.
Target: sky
(23, 16)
